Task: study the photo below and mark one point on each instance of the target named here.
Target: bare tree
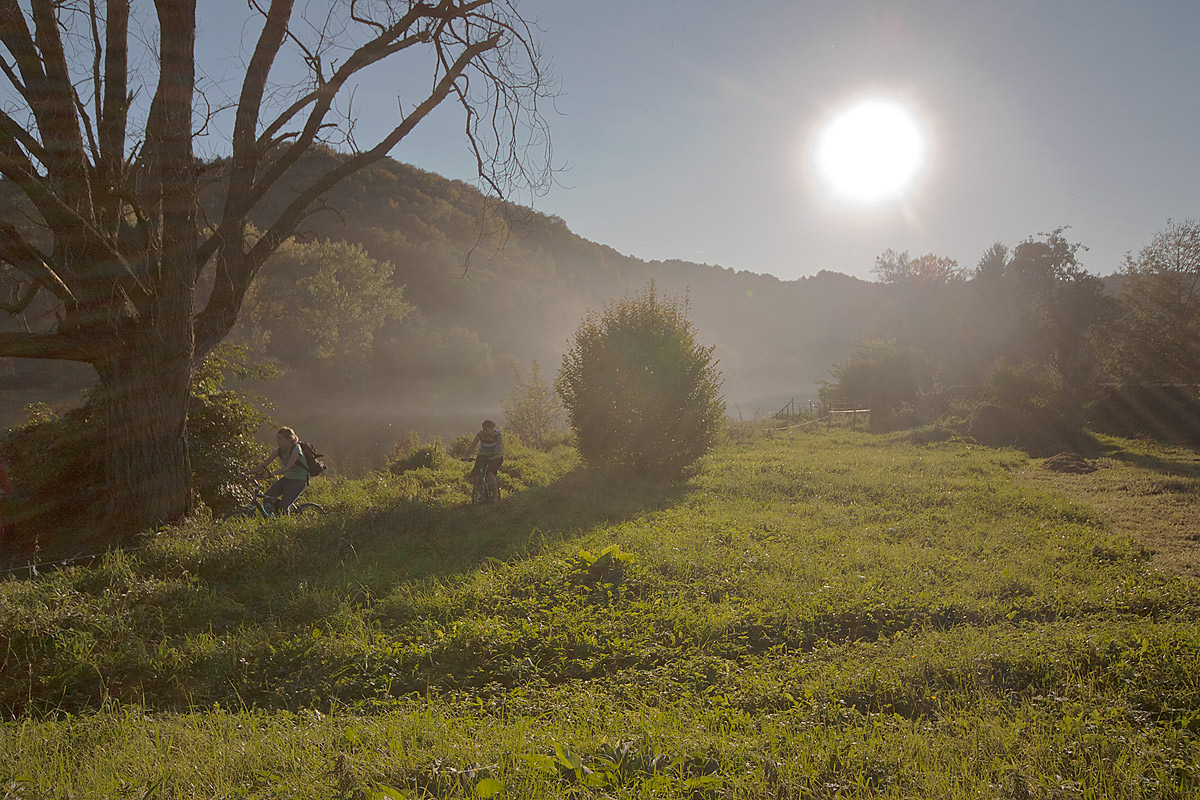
(120, 243)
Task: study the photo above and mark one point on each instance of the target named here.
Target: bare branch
(364, 20)
(236, 269)
(245, 152)
(86, 120)
(15, 36)
(43, 345)
(377, 49)
(116, 99)
(12, 76)
(97, 55)
(57, 120)
(10, 127)
(26, 258)
(285, 224)
(23, 301)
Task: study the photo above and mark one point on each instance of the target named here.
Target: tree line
(1055, 347)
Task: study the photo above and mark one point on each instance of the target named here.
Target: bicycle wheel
(478, 492)
(307, 509)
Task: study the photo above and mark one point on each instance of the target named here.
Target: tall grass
(821, 614)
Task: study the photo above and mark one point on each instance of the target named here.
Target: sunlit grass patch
(812, 614)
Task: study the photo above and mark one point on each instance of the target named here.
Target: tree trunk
(143, 401)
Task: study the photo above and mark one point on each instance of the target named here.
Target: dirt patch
(1154, 500)
(1069, 462)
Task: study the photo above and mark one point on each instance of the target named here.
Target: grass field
(813, 615)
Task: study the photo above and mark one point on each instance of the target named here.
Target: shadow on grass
(254, 593)
(416, 540)
(1185, 466)
(365, 555)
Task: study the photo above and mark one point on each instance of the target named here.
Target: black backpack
(315, 465)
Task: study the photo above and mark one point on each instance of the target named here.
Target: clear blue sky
(684, 126)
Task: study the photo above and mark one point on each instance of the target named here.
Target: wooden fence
(795, 409)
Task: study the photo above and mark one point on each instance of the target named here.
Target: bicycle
(263, 505)
(483, 491)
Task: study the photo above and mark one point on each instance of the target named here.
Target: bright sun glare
(871, 151)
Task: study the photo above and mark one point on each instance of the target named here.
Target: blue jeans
(285, 491)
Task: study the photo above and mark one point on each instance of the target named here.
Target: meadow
(813, 614)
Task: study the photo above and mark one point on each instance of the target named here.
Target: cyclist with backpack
(491, 456)
(292, 474)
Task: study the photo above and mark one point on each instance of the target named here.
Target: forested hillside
(486, 286)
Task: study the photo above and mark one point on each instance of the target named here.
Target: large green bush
(642, 395)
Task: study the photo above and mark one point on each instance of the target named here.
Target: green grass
(828, 614)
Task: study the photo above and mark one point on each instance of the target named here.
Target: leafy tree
(925, 305)
(1060, 307)
(1158, 339)
(994, 316)
(642, 394)
(532, 411)
(1037, 307)
(320, 305)
(116, 192)
(881, 374)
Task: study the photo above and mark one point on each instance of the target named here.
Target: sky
(686, 129)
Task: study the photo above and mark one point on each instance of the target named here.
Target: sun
(871, 152)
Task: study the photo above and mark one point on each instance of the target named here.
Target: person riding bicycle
(292, 474)
(491, 455)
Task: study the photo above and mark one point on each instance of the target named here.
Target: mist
(412, 310)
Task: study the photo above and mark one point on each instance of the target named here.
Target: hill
(492, 285)
(518, 283)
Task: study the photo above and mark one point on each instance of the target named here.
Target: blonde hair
(290, 434)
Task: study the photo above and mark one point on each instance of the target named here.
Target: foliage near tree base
(57, 468)
(58, 473)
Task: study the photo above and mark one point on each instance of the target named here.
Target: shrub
(427, 456)
(222, 423)
(642, 395)
(57, 469)
(460, 445)
(1028, 386)
(882, 375)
